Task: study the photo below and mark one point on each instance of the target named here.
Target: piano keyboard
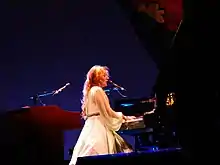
(137, 123)
(135, 120)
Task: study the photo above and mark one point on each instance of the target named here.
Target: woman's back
(92, 107)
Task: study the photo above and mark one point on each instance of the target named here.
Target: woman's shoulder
(95, 89)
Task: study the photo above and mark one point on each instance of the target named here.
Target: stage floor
(154, 156)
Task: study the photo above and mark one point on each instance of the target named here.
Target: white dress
(98, 136)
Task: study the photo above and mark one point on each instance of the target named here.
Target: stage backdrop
(46, 45)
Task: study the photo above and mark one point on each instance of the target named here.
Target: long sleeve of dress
(111, 119)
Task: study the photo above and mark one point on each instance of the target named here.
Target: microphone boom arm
(37, 97)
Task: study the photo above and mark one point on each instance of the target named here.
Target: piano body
(142, 108)
(35, 134)
(154, 125)
(143, 124)
(134, 107)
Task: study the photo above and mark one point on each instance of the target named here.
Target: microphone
(62, 88)
(116, 85)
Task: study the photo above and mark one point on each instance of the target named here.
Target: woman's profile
(98, 135)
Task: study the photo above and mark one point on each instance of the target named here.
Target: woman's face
(104, 79)
(98, 76)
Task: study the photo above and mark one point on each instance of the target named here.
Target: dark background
(47, 44)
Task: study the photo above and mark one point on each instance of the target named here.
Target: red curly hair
(94, 77)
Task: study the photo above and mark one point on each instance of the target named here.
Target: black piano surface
(144, 122)
(151, 127)
(139, 107)
(134, 106)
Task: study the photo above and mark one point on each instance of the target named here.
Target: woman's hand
(131, 117)
(128, 117)
(124, 117)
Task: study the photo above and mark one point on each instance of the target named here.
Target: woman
(98, 135)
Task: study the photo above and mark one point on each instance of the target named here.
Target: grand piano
(34, 135)
(143, 109)
(152, 126)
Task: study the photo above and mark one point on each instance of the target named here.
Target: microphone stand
(109, 90)
(37, 97)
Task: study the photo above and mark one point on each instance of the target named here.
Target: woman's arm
(112, 119)
(102, 101)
